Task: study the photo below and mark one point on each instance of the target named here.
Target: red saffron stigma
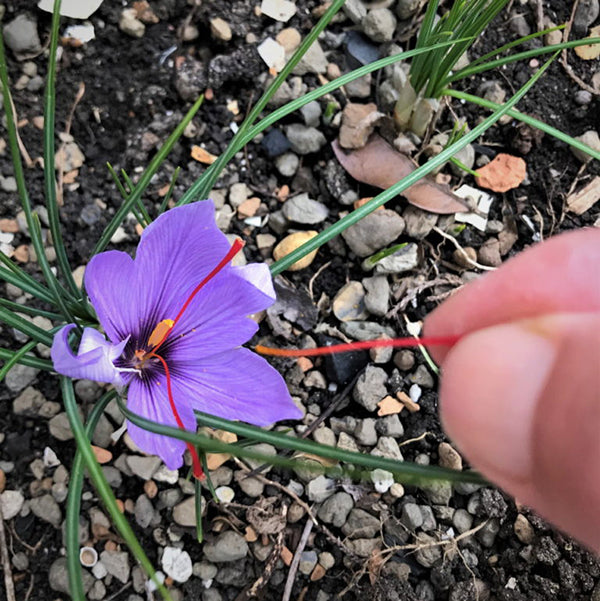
(197, 465)
(234, 250)
(355, 346)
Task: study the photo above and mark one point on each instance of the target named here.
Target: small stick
(460, 249)
(289, 583)
(9, 585)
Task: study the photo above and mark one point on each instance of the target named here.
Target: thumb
(522, 400)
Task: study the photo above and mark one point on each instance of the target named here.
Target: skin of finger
(564, 448)
(559, 275)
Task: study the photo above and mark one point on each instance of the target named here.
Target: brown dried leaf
(379, 165)
(584, 199)
(265, 518)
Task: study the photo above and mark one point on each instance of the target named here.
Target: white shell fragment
(482, 200)
(88, 557)
(280, 10)
(382, 480)
(272, 53)
(76, 9)
(177, 564)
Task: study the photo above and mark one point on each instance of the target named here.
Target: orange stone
(389, 406)
(249, 207)
(202, 156)
(9, 226)
(503, 173)
(102, 455)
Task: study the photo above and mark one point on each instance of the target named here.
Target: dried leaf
(379, 165)
(590, 51)
(265, 517)
(586, 198)
(503, 173)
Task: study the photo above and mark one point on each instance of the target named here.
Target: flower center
(159, 335)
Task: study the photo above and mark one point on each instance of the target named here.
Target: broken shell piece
(88, 557)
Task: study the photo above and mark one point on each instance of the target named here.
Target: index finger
(559, 275)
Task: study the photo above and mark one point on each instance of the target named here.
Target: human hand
(520, 391)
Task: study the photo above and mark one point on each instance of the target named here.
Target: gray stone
(228, 546)
(462, 520)
(428, 552)
(143, 511)
(364, 547)
(404, 360)
(438, 492)
(348, 304)
(429, 524)
(355, 10)
(308, 561)
(370, 388)
(103, 432)
(387, 447)
(407, 8)
(583, 97)
(311, 113)
(404, 259)
(390, 425)
(489, 252)
(21, 36)
(324, 435)
(251, 486)
(518, 24)
(184, 513)
(313, 61)
(130, 24)
(365, 432)
(586, 13)
(20, 561)
(287, 164)
(11, 502)
(28, 402)
(488, 532)
(380, 24)
(116, 564)
(422, 377)
(590, 138)
(305, 140)
(373, 232)
(320, 489)
(419, 223)
(335, 510)
(361, 524)
(58, 577)
(143, 467)
(60, 427)
(411, 517)
(366, 330)
(347, 443)
(47, 509)
(359, 87)
(98, 591)
(378, 294)
(87, 390)
(302, 209)
(19, 377)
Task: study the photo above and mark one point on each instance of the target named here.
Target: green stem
(548, 129)
(103, 488)
(29, 360)
(74, 503)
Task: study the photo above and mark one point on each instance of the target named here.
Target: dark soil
(129, 93)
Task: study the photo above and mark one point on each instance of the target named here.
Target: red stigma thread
(234, 250)
(197, 465)
(167, 325)
(356, 346)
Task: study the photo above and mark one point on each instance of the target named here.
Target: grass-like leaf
(103, 488)
(409, 180)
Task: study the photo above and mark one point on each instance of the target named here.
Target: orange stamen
(163, 327)
(355, 346)
(197, 465)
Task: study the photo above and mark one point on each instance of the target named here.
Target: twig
(28, 162)
(9, 585)
(68, 123)
(289, 583)
(462, 250)
(563, 57)
(314, 277)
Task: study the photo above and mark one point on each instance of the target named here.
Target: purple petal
(150, 400)
(112, 285)
(94, 359)
(237, 385)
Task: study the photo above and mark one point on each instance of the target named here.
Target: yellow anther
(160, 331)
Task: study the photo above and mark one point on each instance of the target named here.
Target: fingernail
(491, 387)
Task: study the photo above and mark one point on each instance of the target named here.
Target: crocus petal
(236, 384)
(94, 359)
(113, 288)
(150, 400)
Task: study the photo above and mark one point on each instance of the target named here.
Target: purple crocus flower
(175, 317)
